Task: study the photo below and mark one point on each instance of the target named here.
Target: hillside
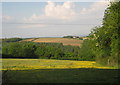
(65, 41)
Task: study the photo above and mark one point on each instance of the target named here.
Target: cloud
(32, 19)
(66, 12)
(63, 12)
(96, 7)
(31, 26)
(57, 20)
(53, 12)
(6, 18)
(92, 15)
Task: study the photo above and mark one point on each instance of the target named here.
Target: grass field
(56, 71)
(65, 41)
(26, 64)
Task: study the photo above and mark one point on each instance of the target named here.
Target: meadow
(37, 62)
(56, 71)
(26, 64)
(65, 41)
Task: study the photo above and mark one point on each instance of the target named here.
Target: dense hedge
(41, 50)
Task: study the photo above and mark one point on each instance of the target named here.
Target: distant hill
(76, 37)
(65, 41)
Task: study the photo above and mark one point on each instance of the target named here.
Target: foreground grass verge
(56, 71)
(81, 75)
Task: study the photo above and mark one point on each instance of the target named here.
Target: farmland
(56, 71)
(25, 64)
(65, 41)
(93, 58)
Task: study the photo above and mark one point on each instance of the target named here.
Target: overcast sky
(50, 19)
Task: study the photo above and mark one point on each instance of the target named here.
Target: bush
(86, 52)
(11, 39)
(41, 50)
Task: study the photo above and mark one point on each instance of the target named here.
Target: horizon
(43, 37)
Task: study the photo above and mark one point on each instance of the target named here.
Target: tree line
(103, 44)
(104, 40)
(41, 50)
(11, 39)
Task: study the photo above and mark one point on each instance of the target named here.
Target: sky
(50, 19)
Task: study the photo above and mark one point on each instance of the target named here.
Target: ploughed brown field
(65, 41)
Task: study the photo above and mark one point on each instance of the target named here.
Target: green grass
(81, 75)
(27, 64)
(69, 71)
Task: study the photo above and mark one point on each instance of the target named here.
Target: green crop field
(56, 71)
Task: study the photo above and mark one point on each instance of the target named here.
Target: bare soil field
(65, 41)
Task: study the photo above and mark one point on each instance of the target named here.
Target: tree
(106, 38)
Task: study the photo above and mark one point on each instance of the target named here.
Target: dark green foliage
(42, 50)
(81, 76)
(106, 38)
(18, 50)
(7, 40)
(86, 52)
(68, 37)
(11, 39)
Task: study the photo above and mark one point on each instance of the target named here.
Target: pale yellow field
(25, 64)
(65, 41)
